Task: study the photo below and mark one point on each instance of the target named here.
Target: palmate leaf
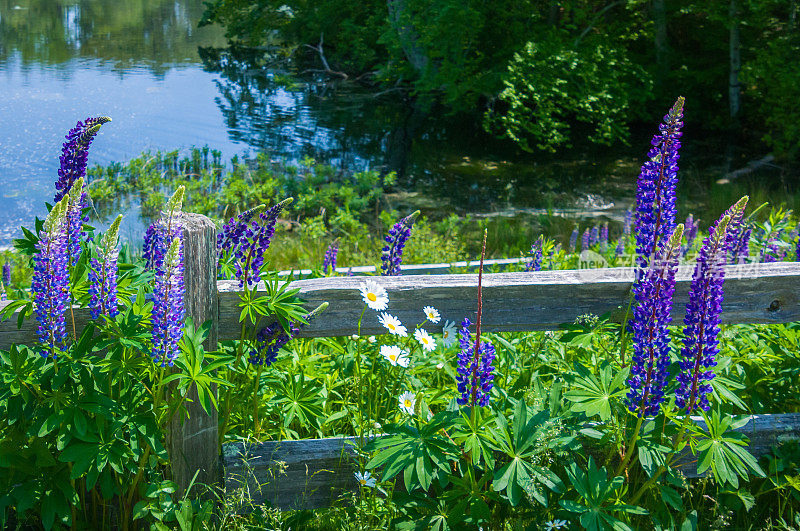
(724, 451)
(593, 394)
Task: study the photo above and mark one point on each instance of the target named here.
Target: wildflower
(392, 253)
(432, 314)
(329, 262)
(449, 333)
(231, 234)
(691, 227)
(573, 240)
(407, 402)
(253, 242)
(6, 275)
(604, 238)
(273, 337)
(535, 263)
(626, 226)
(655, 194)
(395, 355)
(620, 250)
(374, 295)
(555, 524)
(393, 324)
(354, 336)
(103, 275)
(585, 240)
(424, 339)
(74, 220)
(700, 344)
(50, 284)
(168, 304)
(594, 236)
(162, 231)
(372, 339)
(741, 250)
(74, 154)
(475, 372)
(651, 319)
(365, 479)
(440, 366)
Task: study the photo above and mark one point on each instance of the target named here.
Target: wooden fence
(311, 472)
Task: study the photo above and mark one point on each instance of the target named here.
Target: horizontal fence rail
(309, 474)
(417, 269)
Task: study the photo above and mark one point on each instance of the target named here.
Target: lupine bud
(392, 253)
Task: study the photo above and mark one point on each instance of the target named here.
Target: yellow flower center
(446, 334)
(362, 481)
(392, 357)
(391, 326)
(407, 403)
(372, 297)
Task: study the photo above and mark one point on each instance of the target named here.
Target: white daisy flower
(365, 479)
(425, 339)
(555, 524)
(372, 339)
(432, 314)
(395, 355)
(449, 333)
(374, 295)
(440, 366)
(407, 403)
(393, 324)
(354, 336)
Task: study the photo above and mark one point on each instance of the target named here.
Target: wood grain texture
(313, 473)
(754, 293)
(193, 440)
(419, 269)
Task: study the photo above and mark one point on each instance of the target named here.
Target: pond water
(148, 66)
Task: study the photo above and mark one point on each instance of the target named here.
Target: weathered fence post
(193, 439)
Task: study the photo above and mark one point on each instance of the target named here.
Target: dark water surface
(146, 64)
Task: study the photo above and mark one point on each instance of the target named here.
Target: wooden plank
(193, 440)
(417, 269)
(313, 473)
(754, 293)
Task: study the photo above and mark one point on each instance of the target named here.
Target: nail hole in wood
(774, 306)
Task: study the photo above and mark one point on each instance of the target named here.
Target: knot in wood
(774, 306)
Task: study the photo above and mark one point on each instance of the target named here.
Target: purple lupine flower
(773, 250)
(103, 275)
(585, 240)
(626, 226)
(741, 250)
(168, 304)
(700, 344)
(573, 240)
(50, 284)
(272, 338)
(392, 253)
(475, 372)
(692, 226)
(6, 275)
(75, 152)
(651, 319)
(535, 263)
(232, 232)
(594, 236)
(329, 261)
(604, 238)
(655, 194)
(253, 242)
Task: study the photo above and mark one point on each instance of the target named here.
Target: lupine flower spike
(74, 220)
(6, 280)
(74, 154)
(254, 242)
(535, 262)
(273, 337)
(103, 275)
(475, 372)
(329, 262)
(392, 253)
(168, 304)
(655, 194)
(585, 240)
(700, 344)
(604, 238)
(651, 319)
(573, 240)
(232, 232)
(162, 231)
(594, 236)
(50, 284)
